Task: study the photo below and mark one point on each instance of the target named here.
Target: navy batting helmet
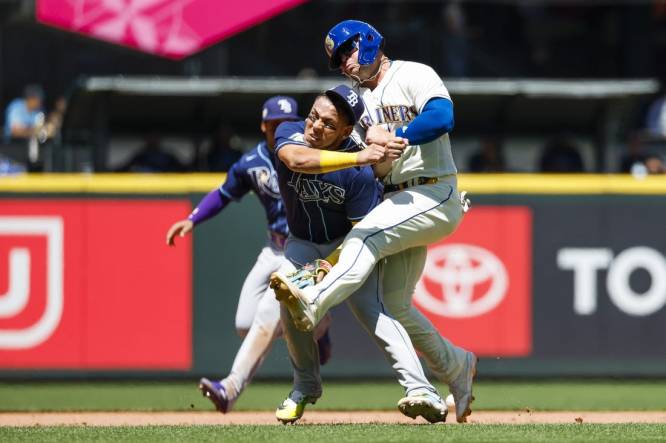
(353, 32)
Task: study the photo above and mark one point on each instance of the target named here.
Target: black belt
(411, 182)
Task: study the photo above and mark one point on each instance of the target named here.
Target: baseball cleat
(215, 392)
(294, 300)
(461, 388)
(292, 407)
(428, 405)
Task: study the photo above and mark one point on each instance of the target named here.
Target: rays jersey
(396, 101)
(255, 171)
(321, 207)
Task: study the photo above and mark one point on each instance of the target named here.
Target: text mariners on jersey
(311, 190)
(389, 114)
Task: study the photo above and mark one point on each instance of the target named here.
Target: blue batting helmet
(368, 40)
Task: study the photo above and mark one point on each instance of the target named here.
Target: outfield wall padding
(546, 276)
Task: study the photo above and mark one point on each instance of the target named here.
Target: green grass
(338, 433)
(182, 396)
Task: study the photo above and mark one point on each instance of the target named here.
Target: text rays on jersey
(314, 190)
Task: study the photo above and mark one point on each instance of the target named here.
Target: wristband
(330, 161)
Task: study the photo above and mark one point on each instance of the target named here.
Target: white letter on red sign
(16, 297)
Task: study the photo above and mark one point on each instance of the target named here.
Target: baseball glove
(310, 274)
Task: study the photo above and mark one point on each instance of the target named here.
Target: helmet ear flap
(369, 47)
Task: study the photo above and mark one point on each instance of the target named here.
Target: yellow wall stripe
(561, 184)
(201, 183)
(111, 183)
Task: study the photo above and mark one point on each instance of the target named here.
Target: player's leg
(255, 346)
(421, 397)
(304, 356)
(451, 364)
(414, 217)
(254, 287)
(257, 320)
(302, 347)
(402, 272)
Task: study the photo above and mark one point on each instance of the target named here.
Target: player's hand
(181, 228)
(382, 168)
(395, 147)
(372, 154)
(378, 135)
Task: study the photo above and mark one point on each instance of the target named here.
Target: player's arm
(382, 168)
(234, 188)
(307, 160)
(435, 120)
(432, 103)
(209, 206)
(19, 131)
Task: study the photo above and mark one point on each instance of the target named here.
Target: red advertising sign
(170, 28)
(476, 285)
(90, 284)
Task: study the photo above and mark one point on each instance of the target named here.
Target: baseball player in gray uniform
(258, 313)
(406, 102)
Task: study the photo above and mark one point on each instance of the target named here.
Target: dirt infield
(312, 417)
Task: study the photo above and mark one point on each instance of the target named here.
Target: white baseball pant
(366, 305)
(399, 228)
(257, 320)
(402, 271)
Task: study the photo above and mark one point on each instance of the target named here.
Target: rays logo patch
(285, 105)
(266, 180)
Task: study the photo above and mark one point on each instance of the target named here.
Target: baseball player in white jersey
(406, 102)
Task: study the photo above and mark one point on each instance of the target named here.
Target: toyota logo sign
(461, 280)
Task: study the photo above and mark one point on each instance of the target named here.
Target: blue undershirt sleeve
(435, 121)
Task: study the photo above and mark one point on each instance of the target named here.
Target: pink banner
(169, 28)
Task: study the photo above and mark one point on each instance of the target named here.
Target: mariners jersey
(321, 207)
(255, 171)
(400, 96)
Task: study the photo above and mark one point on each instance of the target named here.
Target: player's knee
(396, 308)
(243, 324)
(375, 244)
(265, 328)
